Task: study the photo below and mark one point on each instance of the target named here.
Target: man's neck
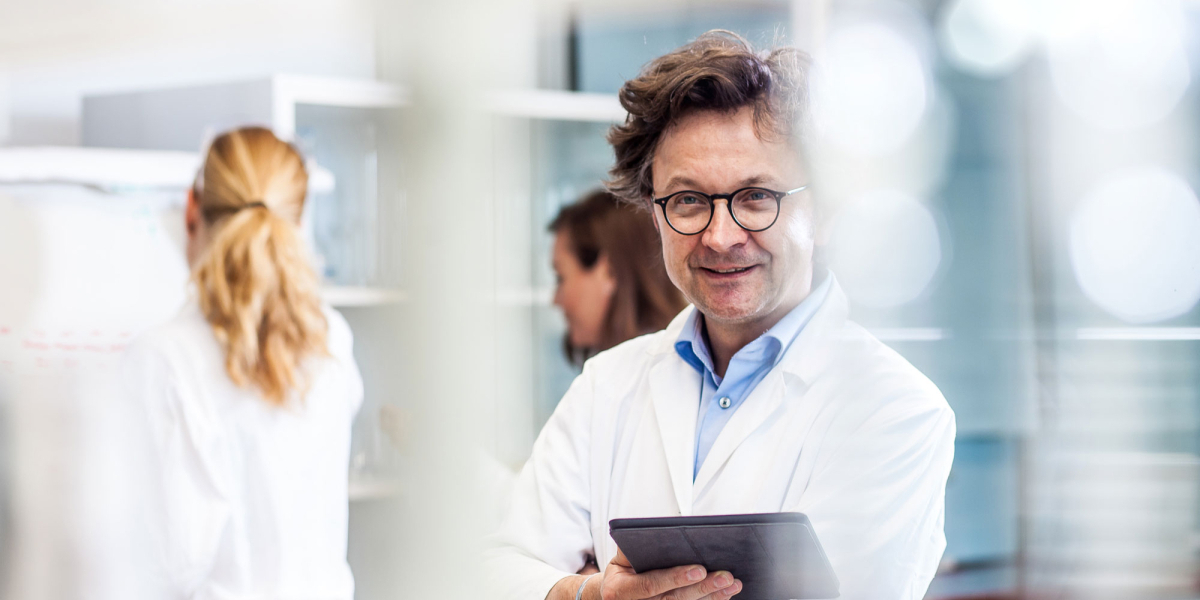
(725, 339)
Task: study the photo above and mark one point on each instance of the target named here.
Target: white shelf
(370, 489)
(1139, 334)
(910, 334)
(555, 105)
(100, 167)
(332, 91)
(540, 296)
(350, 296)
(115, 168)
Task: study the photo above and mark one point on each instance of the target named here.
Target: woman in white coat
(250, 392)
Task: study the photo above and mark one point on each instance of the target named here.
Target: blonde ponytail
(254, 281)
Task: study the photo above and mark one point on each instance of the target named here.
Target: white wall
(52, 52)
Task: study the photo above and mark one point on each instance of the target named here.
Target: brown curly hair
(718, 71)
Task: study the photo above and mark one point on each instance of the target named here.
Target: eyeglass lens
(753, 208)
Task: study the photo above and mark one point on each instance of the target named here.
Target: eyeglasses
(752, 208)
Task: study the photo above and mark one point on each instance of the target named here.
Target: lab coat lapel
(762, 403)
(817, 343)
(805, 358)
(675, 387)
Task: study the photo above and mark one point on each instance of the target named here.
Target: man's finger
(725, 593)
(715, 582)
(661, 581)
(620, 559)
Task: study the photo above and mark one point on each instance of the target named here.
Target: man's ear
(653, 215)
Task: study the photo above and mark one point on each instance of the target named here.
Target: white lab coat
(250, 500)
(843, 430)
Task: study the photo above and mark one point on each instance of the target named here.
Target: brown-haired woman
(250, 392)
(612, 285)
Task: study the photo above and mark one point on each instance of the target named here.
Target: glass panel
(354, 226)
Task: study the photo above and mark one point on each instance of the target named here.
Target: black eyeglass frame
(728, 198)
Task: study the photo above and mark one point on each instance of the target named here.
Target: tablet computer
(775, 555)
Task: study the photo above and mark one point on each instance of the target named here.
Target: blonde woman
(251, 391)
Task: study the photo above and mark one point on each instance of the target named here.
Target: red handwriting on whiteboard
(32, 345)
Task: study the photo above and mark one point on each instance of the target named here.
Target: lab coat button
(724, 402)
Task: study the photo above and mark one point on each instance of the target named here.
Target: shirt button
(724, 402)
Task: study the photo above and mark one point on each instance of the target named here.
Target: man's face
(735, 277)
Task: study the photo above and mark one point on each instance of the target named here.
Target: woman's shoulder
(184, 334)
(343, 370)
(339, 338)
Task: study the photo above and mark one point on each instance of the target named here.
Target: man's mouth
(728, 270)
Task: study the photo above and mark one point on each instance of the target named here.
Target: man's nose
(723, 232)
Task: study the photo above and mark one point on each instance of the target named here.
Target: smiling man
(762, 396)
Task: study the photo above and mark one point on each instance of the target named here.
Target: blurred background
(1008, 189)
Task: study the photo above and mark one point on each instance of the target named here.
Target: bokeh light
(1135, 245)
(885, 248)
(870, 88)
(1119, 64)
(988, 38)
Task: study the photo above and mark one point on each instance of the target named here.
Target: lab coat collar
(803, 358)
(676, 390)
(811, 353)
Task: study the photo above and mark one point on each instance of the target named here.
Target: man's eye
(758, 195)
(690, 199)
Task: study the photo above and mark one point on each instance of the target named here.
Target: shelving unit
(1139, 334)
(340, 296)
(550, 150)
(181, 118)
(364, 490)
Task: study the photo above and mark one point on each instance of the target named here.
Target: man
(760, 398)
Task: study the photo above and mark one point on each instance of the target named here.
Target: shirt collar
(772, 345)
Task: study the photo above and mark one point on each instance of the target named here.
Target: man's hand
(620, 582)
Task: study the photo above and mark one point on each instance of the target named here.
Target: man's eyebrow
(757, 180)
(681, 182)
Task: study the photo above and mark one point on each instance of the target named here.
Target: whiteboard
(83, 272)
(88, 269)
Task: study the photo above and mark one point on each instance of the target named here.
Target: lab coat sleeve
(188, 512)
(546, 535)
(877, 504)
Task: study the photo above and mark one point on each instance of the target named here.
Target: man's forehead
(706, 147)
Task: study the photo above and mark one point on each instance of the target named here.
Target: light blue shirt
(746, 369)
